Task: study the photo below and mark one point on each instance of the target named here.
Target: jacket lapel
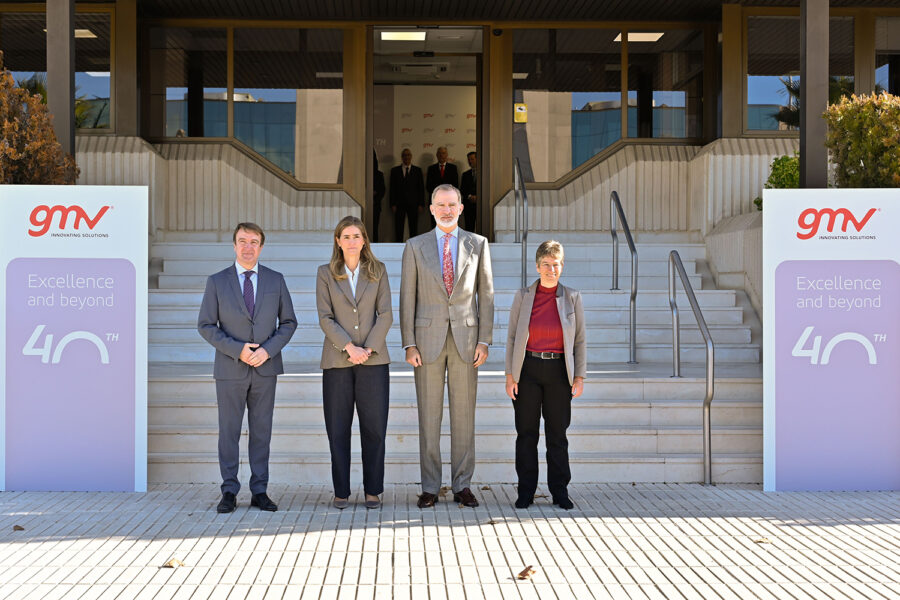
(361, 284)
(432, 259)
(525, 311)
(465, 248)
(562, 307)
(230, 273)
(344, 286)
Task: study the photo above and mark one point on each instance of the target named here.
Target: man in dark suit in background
(407, 195)
(469, 191)
(248, 316)
(377, 196)
(440, 173)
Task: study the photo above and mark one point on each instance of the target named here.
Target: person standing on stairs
(446, 326)
(546, 362)
(353, 298)
(248, 317)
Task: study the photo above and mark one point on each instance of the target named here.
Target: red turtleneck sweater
(545, 331)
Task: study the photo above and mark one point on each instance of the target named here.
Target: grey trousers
(257, 394)
(461, 378)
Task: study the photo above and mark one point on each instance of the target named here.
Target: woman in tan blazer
(546, 362)
(353, 298)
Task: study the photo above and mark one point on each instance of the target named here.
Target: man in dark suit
(248, 316)
(407, 195)
(469, 191)
(440, 173)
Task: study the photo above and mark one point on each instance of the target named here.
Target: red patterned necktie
(448, 265)
(442, 171)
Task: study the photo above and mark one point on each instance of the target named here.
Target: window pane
(24, 44)
(570, 81)
(665, 84)
(773, 72)
(92, 70)
(288, 98)
(887, 55)
(188, 83)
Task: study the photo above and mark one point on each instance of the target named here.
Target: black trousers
(543, 390)
(366, 388)
(406, 213)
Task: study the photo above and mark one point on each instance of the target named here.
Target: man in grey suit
(446, 322)
(248, 316)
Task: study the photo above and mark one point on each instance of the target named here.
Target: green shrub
(864, 140)
(785, 175)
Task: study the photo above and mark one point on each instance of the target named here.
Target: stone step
(177, 316)
(501, 282)
(321, 251)
(309, 332)
(306, 297)
(174, 413)
(493, 468)
(309, 266)
(200, 351)
(405, 439)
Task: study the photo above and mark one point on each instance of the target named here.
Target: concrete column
(733, 99)
(813, 92)
(864, 53)
(61, 70)
(125, 65)
(497, 115)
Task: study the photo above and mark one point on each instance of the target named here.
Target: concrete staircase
(633, 423)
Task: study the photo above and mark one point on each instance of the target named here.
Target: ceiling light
(640, 36)
(450, 37)
(98, 73)
(82, 34)
(520, 75)
(329, 75)
(403, 36)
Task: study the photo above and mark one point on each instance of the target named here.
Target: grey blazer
(364, 319)
(225, 323)
(425, 310)
(571, 317)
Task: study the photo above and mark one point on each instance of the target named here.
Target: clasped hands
(254, 354)
(357, 354)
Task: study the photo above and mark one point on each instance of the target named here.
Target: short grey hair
(446, 187)
(550, 248)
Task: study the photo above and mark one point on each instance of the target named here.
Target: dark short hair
(251, 227)
(468, 154)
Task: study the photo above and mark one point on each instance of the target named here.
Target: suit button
(356, 327)
(354, 310)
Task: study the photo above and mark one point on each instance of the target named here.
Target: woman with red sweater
(546, 362)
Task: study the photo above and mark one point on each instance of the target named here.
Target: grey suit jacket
(426, 311)
(571, 317)
(225, 323)
(364, 319)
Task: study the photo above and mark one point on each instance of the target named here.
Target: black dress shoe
(465, 497)
(524, 502)
(227, 504)
(563, 502)
(426, 500)
(263, 502)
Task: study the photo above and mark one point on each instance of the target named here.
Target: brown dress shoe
(465, 497)
(426, 500)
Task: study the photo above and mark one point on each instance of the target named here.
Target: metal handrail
(615, 207)
(521, 234)
(675, 263)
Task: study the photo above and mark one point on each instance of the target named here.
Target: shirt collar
(352, 274)
(241, 269)
(440, 233)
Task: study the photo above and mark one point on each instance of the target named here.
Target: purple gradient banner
(70, 374)
(837, 347)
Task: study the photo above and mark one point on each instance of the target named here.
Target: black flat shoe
(524, 502)
(227, 504)
(263, 502)
(564, 503)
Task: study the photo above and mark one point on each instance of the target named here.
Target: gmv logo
(810, 219)
(42, 218)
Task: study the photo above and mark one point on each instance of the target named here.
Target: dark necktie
(442, 171)
(249, 299)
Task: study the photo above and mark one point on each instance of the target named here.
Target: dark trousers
(366, 387)
(406, 213)
(469, 213)
(257, 394)
(543, 389)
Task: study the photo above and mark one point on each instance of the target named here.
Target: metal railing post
(615, 209)
(521, 237)
(676, 264)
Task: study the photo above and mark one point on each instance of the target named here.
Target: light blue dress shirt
(253, 278)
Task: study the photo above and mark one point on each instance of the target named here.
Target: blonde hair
(550, 248)
(371, 267)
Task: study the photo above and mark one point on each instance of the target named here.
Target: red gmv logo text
(811, 218)
(42, 218)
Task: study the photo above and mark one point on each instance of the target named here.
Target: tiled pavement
(621, 541)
